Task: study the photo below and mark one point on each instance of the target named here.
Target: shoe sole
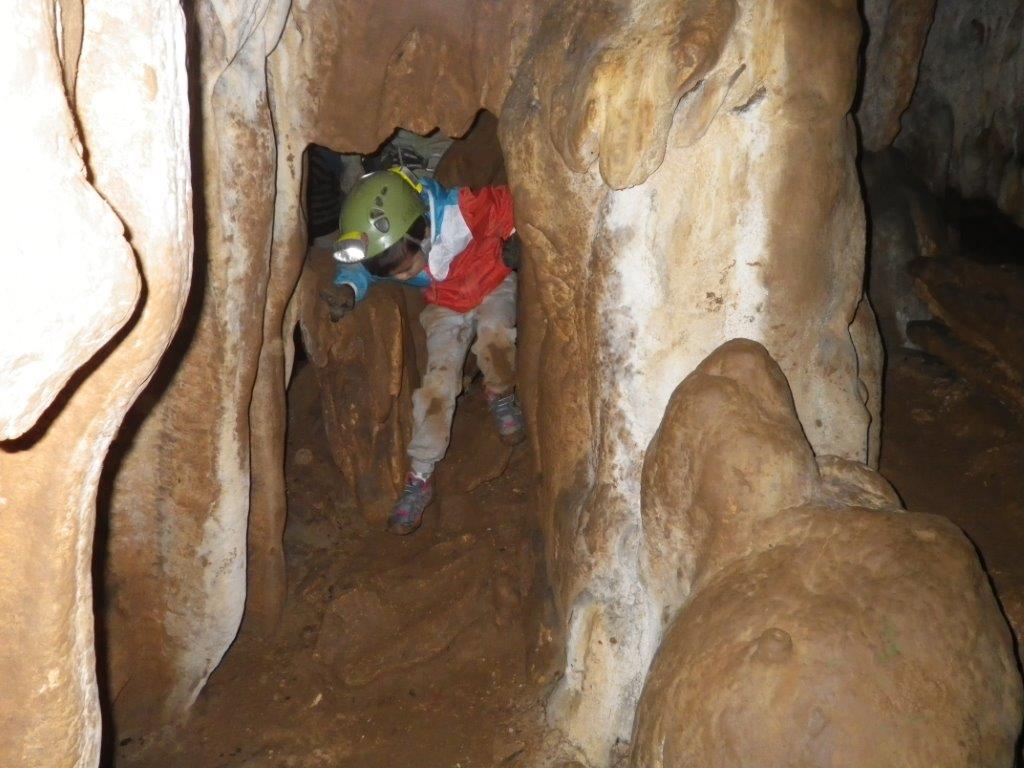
(404, 529)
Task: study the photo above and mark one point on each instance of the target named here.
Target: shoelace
(414, 487)
(504, 406)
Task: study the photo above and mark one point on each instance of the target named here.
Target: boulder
(819, 623)
(366, 368)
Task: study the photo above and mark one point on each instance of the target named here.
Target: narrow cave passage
(392, 651)
(423, 650)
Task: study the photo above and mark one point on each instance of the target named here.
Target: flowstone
(816, 623)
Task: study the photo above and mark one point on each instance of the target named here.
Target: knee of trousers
(443, 385)
(494, 335)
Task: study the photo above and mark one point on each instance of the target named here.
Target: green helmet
(379, 210)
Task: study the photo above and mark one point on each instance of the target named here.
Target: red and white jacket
(467, 232)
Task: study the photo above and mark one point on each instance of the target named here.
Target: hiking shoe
(407, 514)
(508, 417)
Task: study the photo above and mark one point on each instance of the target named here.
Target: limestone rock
(475, 160)
(897, 30)
(367, 371)
(651, 155)
(823, 626)
(69, 278)
(851, 484)
(906, 224)
(178, 505)
(72, 280)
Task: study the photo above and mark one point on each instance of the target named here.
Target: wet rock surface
(814, 623)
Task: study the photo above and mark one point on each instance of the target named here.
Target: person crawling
(456, 245)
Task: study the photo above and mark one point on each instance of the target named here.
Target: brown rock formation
(366, 368)
(58, 317)
(177, 537)
(814, 621)
(684, 174)
(475, 160)
(897, 30)
(127, 69)
(728, 124)
(961, 124)
(979, 328)
(906, 224)
(180, 573)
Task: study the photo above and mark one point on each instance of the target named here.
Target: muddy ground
(393, 651)
(428, 650)
(951, 449)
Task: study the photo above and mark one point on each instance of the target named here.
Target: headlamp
(351, 247)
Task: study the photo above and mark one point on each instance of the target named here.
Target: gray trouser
(449, 334)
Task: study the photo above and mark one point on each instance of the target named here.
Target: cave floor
(444, 675)
(434, 669)
(952, 450)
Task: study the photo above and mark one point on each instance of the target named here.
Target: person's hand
(511, 251)
(340, 300)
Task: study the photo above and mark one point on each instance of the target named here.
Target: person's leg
(495, 346)
(495, 351)
(448, 337)
(449, 334)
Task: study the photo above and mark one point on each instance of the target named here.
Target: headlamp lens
(351, 247)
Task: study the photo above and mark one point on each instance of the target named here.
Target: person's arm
(356, 276)
(499, 222)
(350, 284)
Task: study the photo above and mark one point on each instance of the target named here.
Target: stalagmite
(809, 618)
(661, 223)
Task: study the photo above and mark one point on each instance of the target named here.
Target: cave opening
(433, 648)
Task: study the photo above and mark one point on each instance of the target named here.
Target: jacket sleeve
(356, 276)
(359, 278)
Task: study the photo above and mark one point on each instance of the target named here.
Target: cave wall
(704, 150)
(423, 72)
(675, 193)
(945, 84)
(97, 132)
(176, 546)
(963, 126)
(198, 493)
